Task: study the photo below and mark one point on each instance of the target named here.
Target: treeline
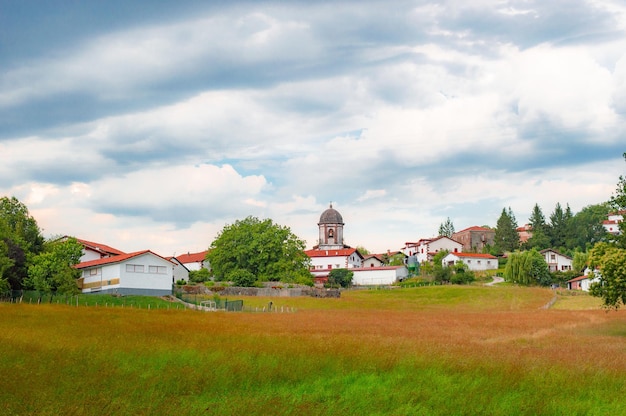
(27, 260)
(562, 230)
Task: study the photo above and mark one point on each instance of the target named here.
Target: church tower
(331, 230)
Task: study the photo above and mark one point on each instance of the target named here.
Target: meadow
(441, 350)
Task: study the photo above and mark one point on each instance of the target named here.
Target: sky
(153, 124)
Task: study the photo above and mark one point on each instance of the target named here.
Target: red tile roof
(476, 255)
(114, 259)
(475, 228)
(192, 257)
(342, 252)
(576, 279)
(102, 248)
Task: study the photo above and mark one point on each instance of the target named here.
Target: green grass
(427, 351)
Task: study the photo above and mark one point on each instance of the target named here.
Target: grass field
(422, 351)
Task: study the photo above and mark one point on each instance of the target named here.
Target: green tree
(52, 270)
(363, 250)
(340, 277)
(610, 258)
(446, 228)
(441, 273)
(22, 239)
(586, 227)
(611, 261)
(618, 204)
(558, 226)
(268, 251)
(579, 261)
(540, 239)
(506, 237)
(527, 268)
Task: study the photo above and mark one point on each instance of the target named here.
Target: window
(478, 262)
(330, 233)
(134, 268)
(157, 269)
(94, 272)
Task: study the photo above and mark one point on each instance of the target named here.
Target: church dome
(331, 216)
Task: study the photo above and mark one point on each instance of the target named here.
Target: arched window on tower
(331, 234)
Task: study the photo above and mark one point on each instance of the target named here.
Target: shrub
(242, 277)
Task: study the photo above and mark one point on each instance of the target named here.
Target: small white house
(557, 261)
(474, 261)
(611, 224)
(584, 282)
(139, 273)
(384, 275)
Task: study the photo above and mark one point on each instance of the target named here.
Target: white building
(557, 261)
(474, 261)
(584, 282)
(426, 248)
(139, 273)
(195, 261)
(611, 224)
(384, 275)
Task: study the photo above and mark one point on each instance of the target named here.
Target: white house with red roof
(426, 248)
(94, 251)
(138, 273)
(611, 224)
(474, 261)
(194, 261)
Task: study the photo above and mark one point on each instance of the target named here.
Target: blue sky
(151, 125)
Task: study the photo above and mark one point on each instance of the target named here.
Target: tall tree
(506, 237)
(540, 239)
(22, 238)
(268, 251)
(446, 228)
(618, 204)
(558, 226)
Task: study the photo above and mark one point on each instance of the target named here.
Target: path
(496, 279)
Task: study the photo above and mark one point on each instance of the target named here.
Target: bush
(180, 282)
(242, 277)
(199, 276)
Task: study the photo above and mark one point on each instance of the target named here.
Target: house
(94, 251)
(138, 273)
(426, 248)
(475, 238)
(524, 232)
(194, 261)
(557, 261)
(611, 224)
(181, 272)
(584, 282)
(345, 258)
(373, 260)
(384, 275)
(474, 261)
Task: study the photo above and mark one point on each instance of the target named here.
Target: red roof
(114, 259)
(474, 228)
(342, 252)
(192, 257)
(102, 248)
(576, 279)
(476, 255)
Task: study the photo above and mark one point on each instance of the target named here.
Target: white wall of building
(379, 275)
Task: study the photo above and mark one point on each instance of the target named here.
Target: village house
(611, 224)
(94, 251)
(426, 248)
(474, 261)
(524, 232)
(584, 282)
(138, 273)
(557, 261)
(383, 275)
(194, 261)
(373, 260)
(475, 239)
